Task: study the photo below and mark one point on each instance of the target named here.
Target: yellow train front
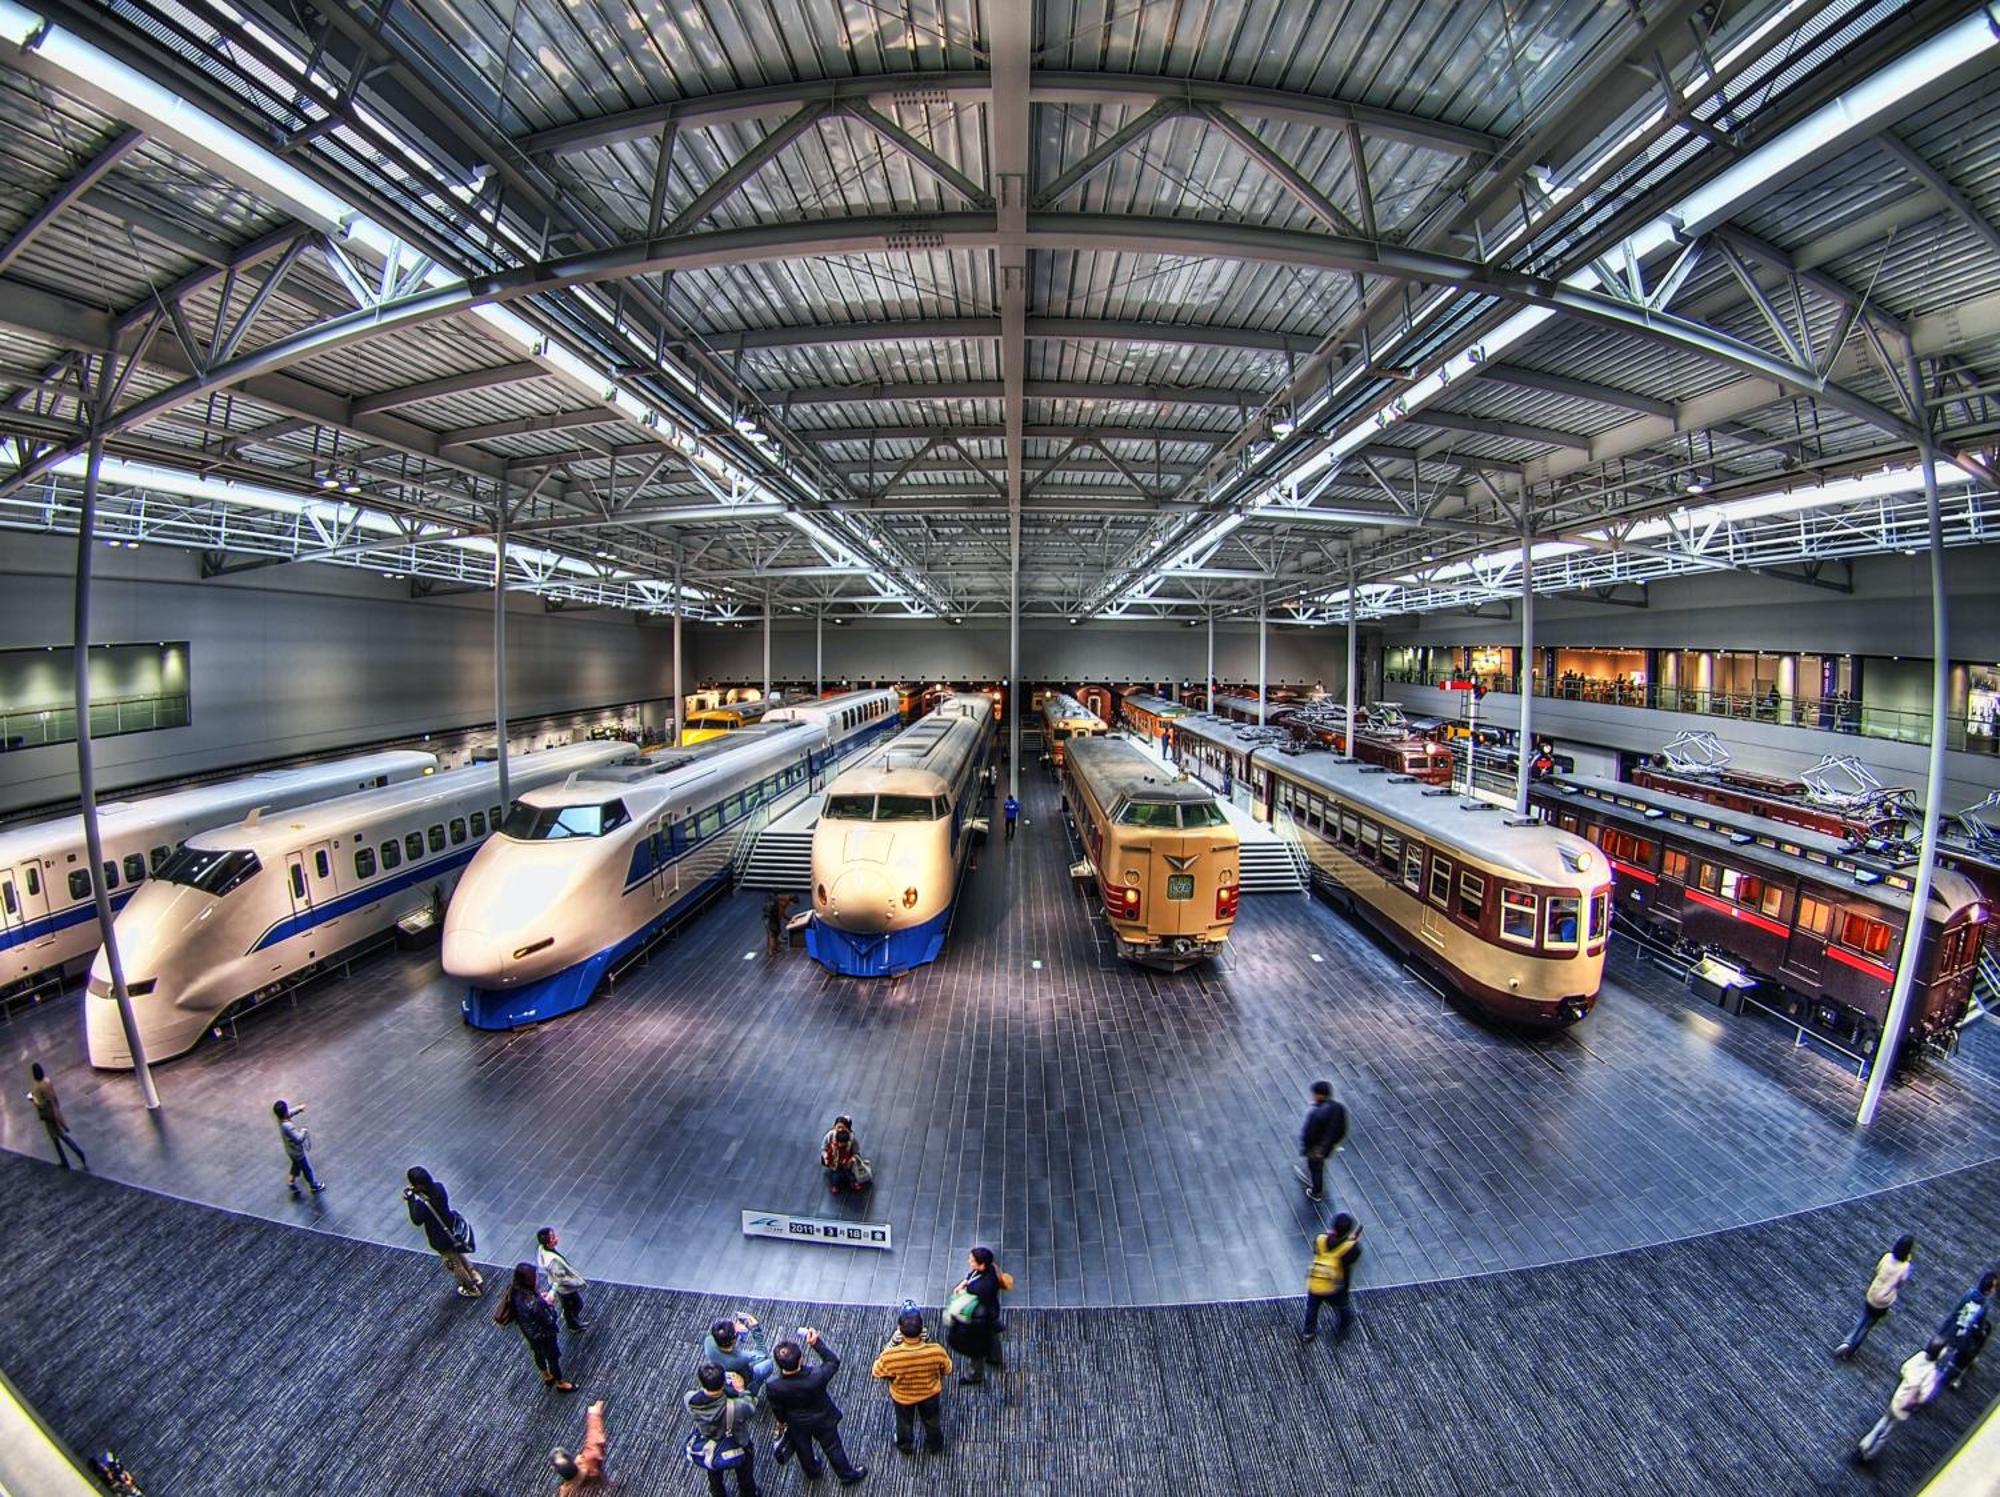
(1064, 718)
(1163, 854)
(713, 722)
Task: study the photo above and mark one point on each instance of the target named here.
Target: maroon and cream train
(1385, 736)
(1820, 925)
(1513, 915)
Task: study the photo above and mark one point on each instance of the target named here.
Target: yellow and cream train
(1162, 853)
(1064, 718)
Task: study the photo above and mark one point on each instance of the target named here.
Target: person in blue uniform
(1013, 809)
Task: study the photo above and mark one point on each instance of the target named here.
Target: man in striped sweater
(915, 1367)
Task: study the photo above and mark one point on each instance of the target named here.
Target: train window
(110, 875)
(457, 830)
(437, 838)
(135, 867)
(1815, 916)
(1517, 916)
(7, 898)
(1600, 915)
(1413, 866)
(1350, 828)
(79, 884)
(413, 846)
(298, 873)
(1562, 920)
(1371, 840)
(1744, 888)
(1709, 877)
(1149, 813)
(1863, 934)
(1202, 813)
(1471, 897)
(1392, 852)
(34, 877)
(493, 818)
(1773, 900)
(1675, 866)
(479, 823)
(212, 872)
(1566, 820)
(1440, 882)
(1595, 832)
(392, 855)
(710, 824)
(158, 856)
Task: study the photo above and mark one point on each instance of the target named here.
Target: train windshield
(1201, 813)
(885, 807)
(211, 872)
(526, 823)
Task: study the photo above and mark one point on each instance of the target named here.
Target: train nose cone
(862, 900)
(470, 954)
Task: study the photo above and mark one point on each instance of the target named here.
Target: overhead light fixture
(1696, 486)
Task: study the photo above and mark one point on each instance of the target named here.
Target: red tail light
(1122, 904)
(1225, 902)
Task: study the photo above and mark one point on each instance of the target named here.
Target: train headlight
(910, 897)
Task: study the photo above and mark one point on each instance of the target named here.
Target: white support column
(86, 767)
(500, 652)
(1353, 693)
(1263, 683)
(1920, 897)
(819, 650)
(1209, 700)
(1526, 756)
(680, 713)
(767, 641)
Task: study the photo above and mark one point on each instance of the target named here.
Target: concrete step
(781, 862)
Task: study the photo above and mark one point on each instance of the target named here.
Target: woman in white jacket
(1892, 1271)
(1919, 1383)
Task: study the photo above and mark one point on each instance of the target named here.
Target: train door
(667, 864)
(1805, 952)
(298, 886)
(662, 877)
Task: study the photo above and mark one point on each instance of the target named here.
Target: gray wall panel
(297, 660)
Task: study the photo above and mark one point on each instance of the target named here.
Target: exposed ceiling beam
(52, 206)
(1115, 90)
(993, 389)
(1962, 207)
(1581, 389)
(451, 384)
(1167, 434)
(970, 329)
(524, 425)
(1482, 426)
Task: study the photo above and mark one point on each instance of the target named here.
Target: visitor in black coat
(800, 1401)
(1325, 1129)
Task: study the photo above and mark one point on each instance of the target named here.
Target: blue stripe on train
(573, 987)
(48, 925)
(304, 920)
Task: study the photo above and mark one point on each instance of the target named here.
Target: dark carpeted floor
(226, 1355)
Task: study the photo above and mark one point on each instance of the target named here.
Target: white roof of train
(669, 771)
(920, 754)
(350, 813)
(809, 710)
(224, 800)
(1062, 704)
(1444, 817)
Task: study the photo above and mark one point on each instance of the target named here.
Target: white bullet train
(244, 911)
(585, 873)
(893, 839)
(48, 915)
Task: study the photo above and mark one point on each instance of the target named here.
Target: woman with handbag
(535, 1318)
(972, 1314)
(722, 1411)
(448, 1233)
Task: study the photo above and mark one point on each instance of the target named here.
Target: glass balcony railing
(1823, 714)
(38, 727)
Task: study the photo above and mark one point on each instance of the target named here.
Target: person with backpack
(1331, 1277)
(1892, 1271)
(915, 1367)
(298, 1146)
(1966, 1328)
(972, 1314)
(722, 1409)
(1324, 1131)
(525, 1308)
(48, 1110)
(449, 1234)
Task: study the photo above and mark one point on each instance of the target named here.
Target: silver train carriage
(48, 913)
(893, 839)
(245, 911)
(589, 872)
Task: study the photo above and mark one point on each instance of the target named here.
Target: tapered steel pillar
(500, 653)
(1353, 696)
(86, 769)
(1527, 747)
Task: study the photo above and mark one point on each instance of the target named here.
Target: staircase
(1268, 865)
(1986, 986)
(781, 861)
